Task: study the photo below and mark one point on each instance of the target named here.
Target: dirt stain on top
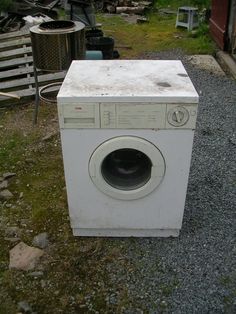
(163, 84)
(183, 74)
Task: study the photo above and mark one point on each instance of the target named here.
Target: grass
(157, 35)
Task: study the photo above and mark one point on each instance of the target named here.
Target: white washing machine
(127, 132)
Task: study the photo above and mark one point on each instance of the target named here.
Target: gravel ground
(196, 273)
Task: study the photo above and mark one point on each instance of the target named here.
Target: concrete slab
(206, 62)
(227, 62)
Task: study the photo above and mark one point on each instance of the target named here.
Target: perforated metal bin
(56, 43)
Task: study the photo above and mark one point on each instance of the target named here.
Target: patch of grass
(133, 40)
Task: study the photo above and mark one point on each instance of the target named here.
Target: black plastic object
(116, 54)
(104, 44)
(94, 33)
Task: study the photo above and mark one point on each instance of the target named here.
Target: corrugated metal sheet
(219, 21)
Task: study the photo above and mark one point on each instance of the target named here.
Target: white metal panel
(161, 209)
(159, 81)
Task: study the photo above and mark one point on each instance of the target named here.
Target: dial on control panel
(178, 116)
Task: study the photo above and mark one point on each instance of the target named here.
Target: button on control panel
(108, 115)
(178, 116)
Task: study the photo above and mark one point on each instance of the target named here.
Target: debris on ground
(8, 175)
(24, 257)
(25, 307)
(5, 195)
(206, 62)
(12, 232)
(41, 240)
(3, 185)
(49, 136)
(122, 6)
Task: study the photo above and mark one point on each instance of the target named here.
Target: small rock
(36, 274)
(232, 139)
(3, 222)
(24, 222)
(21, 194)
(194, 33)
(43, 283)
(12, 240)
(49, 136)
(3, 185)
(24, 257)
(141, 20)
(8, 175)
(5, 195)
(12, 232)
(25, 307)
(41, 240)
(30, 161)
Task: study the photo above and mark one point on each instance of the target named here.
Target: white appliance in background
(127, 131)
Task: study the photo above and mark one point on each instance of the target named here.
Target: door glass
(126, 169)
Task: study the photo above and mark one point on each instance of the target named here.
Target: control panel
(132, 116)
(128, 116)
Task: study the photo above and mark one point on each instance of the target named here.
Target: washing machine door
(127, 167)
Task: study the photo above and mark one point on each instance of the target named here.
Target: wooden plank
(27, 65)
(20, 63)
(15, 52)
(16, 72)
(14, 34)
(30, 80)
(15, 62)
(15, 42)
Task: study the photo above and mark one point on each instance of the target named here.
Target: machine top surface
(127, 80)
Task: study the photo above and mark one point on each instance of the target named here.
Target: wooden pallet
(16, 68)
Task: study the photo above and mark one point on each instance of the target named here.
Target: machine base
(83, 232)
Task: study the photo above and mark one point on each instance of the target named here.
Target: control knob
(178, 116)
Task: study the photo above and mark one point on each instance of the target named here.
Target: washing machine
(127, 132)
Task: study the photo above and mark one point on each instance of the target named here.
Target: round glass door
(127, 167)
